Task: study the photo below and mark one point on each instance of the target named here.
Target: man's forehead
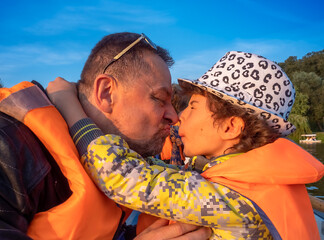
(161, 89)
(159, 78)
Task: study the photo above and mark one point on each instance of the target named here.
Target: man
(125, 88)
(130, 96)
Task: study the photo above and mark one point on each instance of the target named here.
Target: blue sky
(41, 40)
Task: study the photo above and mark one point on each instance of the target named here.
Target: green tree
(307, 74)
(301, 105)
(298, 116)
(313, 62)
(311, 84)
(290, 65)
(301, 124)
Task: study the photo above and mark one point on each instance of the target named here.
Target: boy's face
(198, 131)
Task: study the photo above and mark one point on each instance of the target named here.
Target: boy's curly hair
(179, 100)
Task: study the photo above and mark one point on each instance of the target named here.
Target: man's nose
(171, 115)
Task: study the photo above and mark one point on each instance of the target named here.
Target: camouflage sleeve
(124, 176)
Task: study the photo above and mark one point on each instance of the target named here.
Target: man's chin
(148, 148)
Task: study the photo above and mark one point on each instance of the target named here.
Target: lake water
(317, 150)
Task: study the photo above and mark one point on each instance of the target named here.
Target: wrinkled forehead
(158, 77)
(156, 86)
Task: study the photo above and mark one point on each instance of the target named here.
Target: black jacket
(30, 180)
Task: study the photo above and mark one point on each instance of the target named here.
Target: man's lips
(166, 130)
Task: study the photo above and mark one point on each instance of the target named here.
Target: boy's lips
(180, 133)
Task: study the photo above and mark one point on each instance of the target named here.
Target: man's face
(143, 113)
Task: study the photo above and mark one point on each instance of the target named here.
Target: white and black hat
(252, 82)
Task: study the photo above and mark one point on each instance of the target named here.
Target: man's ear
(231, 128)
(104, 87)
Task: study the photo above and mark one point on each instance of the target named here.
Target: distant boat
(319, 217)
(318, 207)
(309, 139)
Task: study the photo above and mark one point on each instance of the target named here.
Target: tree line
(307, 75)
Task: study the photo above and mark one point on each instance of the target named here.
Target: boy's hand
(60, 90)
(60, 84)
(63, 95)
(176, 231)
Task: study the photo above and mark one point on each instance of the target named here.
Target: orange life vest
(166, 152)
(88, 213)
(273, 177)
(167, 149)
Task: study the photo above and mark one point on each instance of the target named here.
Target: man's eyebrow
(163, 90)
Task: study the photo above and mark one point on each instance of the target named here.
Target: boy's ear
(104, 87)
(231, 128)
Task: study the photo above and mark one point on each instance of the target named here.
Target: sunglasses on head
(142, 36)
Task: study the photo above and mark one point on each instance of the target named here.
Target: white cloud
(107, 16)
(194, 65)
(15, 57)
(274, 49)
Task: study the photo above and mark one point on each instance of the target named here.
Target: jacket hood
(280, 162)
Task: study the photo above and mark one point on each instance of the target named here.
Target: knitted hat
(252, 82)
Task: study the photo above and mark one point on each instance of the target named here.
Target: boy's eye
(192, 106)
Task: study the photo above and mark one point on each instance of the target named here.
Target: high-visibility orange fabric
(166, 152)
(5, 92)
(273, 177)
(167, 149)
(88, 213)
